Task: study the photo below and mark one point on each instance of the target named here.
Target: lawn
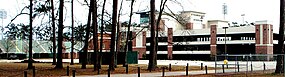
(47, 69)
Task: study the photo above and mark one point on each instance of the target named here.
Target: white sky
(254, 10)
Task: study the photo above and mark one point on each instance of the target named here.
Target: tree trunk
(128, 34)
(280, 50)
(113, 34)
(95, 36)
(60, 35)
(158, 22)
(153, 54)
(53, 34)
(72, 34)
(30, 64)
(118, 41)
(85, 49)
(101, 33)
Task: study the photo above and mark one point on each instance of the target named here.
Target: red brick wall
(134, 40)
(265, 34)
(213, 44)
(144, 38)
(170, 44)
(271, 36)
(161, 25)
(189, 26)
(264, 49)
(141, 51)
(257, 34)
(266, 46)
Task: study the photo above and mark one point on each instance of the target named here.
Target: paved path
(159, 74)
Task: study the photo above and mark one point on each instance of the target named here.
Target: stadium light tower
(225, 10)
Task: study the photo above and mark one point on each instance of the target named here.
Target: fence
(245, 62)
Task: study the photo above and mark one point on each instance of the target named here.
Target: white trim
(264, 45)
(170, 46)
(263, 22)
(182, 52)
(213, 45)
(140, 47)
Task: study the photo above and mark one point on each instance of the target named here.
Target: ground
(268, 73)
(47, 70)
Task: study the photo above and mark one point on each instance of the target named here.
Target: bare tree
(182, 20)
(101, 33)
(53, 34)
(154, 43)
(95, 35)
(60, 36)
(280, 50)
(85, 49)
(72, 33)
(153, 53)
(113, 34)
(128, 34)
(118, 35)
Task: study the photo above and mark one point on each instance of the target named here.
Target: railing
(245, 62)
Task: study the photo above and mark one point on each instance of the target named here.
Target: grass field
(47, 70)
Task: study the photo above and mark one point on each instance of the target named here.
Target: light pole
(242, 15)
(225, 40)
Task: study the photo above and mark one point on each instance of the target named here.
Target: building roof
(192, 12)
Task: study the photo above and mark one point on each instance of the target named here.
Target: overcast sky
(254, 10)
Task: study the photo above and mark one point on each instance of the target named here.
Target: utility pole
(225, 42)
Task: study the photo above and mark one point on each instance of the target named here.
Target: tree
(153, 54)
(113, 34)
(118, 35)
(30, 63)
(8, 45)
(128, 34)
(280, 46)
(95, 35)
(53, 33)
(101, 33)
(72, 33)
(60, 36)
(85, 49)
(12, 32)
